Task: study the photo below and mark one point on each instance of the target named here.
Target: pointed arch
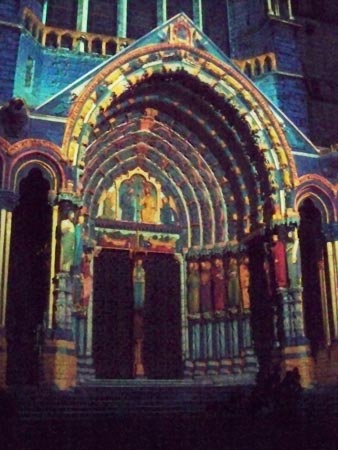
(321, 192)
(29, 153)
(122, 74)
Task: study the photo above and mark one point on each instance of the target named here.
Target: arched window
(267, 64)
(257, 68)
(248, 70)
(51, 40)
(111, 48)
(67, 41)
(97, 46)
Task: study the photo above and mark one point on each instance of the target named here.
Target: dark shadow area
(28, 287)
(275, 415)
(113, 315)
(311, 246)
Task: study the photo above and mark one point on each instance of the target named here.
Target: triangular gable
(59, 104)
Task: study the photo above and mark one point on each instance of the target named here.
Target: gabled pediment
(179, 29)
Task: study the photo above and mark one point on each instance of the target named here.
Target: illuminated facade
(168, 195)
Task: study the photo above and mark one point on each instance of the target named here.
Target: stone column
(295, 349)
(122, 7)
(82, 15)
(8, 201)
(161, 11)
(197, 13)
(44, 12)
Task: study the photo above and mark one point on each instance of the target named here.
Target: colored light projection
(126, 240)
(139, 198)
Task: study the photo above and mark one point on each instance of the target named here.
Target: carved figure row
(213, 285)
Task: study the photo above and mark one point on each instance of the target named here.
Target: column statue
(205, 287)
(233, 282)
(193, 285)
(78, 241)
(244, 278)
(218, 279)
(293, 259)
(279, 259)
(67, 242)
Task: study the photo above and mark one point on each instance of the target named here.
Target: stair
(109, 399)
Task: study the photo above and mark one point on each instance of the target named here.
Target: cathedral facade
(168, 191)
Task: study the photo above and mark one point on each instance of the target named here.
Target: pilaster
(8, 201)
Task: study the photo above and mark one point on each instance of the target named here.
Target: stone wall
(9, 38)
(53, 70)
(318, 47)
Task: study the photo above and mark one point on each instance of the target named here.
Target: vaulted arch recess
(202, 134)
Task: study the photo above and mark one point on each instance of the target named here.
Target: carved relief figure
(148, 204)
(278, 254)
(293, 259)
(168, 215)
(205, 287)
(233, 282)
(193, 283)
(218, 279)
(139, 284)
(244, 278)
(127, 202)
(138, 328)
(109, 206)
(87, 280)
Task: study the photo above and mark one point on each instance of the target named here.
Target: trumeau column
(8, 201)
(197, 12)
(122, 7)
(161, 11)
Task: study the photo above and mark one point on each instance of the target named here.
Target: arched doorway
(113, 316)
(314, 261)
(29, 270)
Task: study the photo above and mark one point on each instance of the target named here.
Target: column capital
(8, 199)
